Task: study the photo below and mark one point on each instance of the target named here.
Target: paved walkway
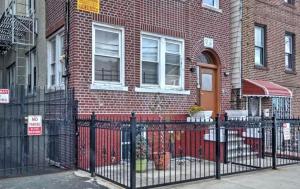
(64, 180)
(283, 178)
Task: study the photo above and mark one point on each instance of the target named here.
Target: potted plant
(162, 157)
(141, 153)
(199, 112)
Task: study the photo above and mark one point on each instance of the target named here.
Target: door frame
(216, 67)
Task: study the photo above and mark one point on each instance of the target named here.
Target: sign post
(4, 96)
(34, 125)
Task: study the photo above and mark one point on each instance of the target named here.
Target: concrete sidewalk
(283, 178)
(63, 180)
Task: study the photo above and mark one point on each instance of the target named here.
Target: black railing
(22, 154)
(141, 154)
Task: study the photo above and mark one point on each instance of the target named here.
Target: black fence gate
(137, 153)
(51, 151)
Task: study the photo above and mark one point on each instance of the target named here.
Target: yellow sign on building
(92, 6)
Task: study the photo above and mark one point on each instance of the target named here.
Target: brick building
(22, 44)
(152, 57)
(265, 57)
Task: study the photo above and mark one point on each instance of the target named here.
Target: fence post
(263, 139)
(24, 146)
(226, 140)
(75, 118)
(274, 141)
(218, 164)
(132, 151)
(92, 144)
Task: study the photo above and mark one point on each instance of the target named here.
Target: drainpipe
(241, 60)
(67, 49)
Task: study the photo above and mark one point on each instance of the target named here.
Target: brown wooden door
(209, 90)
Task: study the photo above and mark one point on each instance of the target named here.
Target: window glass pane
(150, 73)
(53, 50)
(107, 68)
(287, 64)
(172, 75)
(172, 59)
(150, 50)
(173, 48)
(288, 44)
(207, 82)
(258, 56)
(209, 2)
(107, 43)
(259, 36)
(253, 106)
(62, 48)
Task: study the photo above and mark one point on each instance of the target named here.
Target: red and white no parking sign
(35, 127)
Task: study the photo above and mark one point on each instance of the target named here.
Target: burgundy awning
(264, 88)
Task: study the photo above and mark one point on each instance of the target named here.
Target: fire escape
(17, 26)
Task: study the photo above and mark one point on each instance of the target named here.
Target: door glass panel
(207, 82)
(253, 107)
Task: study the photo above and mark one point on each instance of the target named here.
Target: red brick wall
(176, 18)
(278, 18)
(55, 15)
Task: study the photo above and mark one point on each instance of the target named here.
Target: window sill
(108, 87)
(55, 88)
(162, 91)
(290, 72)
(212, 8)
(261, 67)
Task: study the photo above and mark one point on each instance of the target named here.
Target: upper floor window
(211, 3)
(289, 52)
(292, 2)
(162, 62)
(31, 72)
(260, 46)
(56, 61)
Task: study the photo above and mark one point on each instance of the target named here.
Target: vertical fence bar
(218, 145)
(226, 140)
(274, 141)
(75, 117)
(263, 137)
(92, 145)
(132, 151)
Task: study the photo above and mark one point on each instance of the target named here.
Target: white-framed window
(211, 3)
(108, 58)
(259, 46)
(56, 60)
(289, 51)
(31, 72)
(162, 62)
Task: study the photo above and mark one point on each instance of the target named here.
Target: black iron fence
(141, 154)
(53, 148)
